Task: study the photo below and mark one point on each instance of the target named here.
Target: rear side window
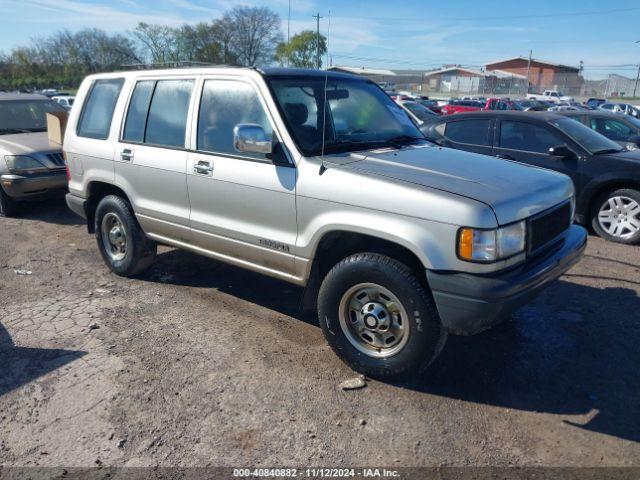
(95, 119)
(527, 137)
(138, 108)
(474, 132)
(158, 112)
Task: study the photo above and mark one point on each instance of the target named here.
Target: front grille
(56, 158)
(546, 226)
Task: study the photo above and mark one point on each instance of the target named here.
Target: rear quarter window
(97, 112)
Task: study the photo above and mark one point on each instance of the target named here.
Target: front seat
(297, 114)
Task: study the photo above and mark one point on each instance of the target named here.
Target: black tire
(426, 336)
(140, 251)
(624, 236)
(7, 205)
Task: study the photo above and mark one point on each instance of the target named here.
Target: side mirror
(635, 139)
(249, 137)
(562, 151)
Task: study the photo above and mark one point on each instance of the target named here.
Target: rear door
(151, 159)
(529, 142)
(470, 134)
(243, 206)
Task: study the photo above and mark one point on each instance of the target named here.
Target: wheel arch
(96, 191)
(593, 192)
(337, 244)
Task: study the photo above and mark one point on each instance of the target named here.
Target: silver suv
(319, 179)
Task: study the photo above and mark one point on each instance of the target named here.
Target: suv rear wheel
(377, 316)
(616, 216)
(7, 205)
(123, 245)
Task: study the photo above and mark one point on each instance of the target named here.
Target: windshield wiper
(356, 144)
(608, 150)
(5, 131)
(400, 140)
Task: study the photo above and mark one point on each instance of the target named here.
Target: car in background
(595, 102)
(430, 104)
(624, 108)
(529, 106)
(65, 100)
(49, 92)
(460, 106)
(606, 176)
(418, 113)
(564, 108)
(31, 166)
(622, 129)
(553, 96)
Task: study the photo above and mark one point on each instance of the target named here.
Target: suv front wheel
(123, 245)
(616, 216)
(377, 316)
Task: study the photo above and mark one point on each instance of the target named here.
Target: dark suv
(606, 176)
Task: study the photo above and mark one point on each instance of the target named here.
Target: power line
(509, 17)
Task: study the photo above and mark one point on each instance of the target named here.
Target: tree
(256, 34)
(301, 50)
(158, 42)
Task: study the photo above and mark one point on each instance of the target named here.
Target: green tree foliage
(301, 50)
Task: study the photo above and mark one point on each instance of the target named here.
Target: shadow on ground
(21, 365)
(574, 351)
(54, 210)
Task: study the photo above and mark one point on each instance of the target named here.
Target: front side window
(225, 104)
(95, 119)
(356, 114)
(475, 132)
(528, 137)
(23, 116)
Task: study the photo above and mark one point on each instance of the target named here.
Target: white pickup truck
(550, 96)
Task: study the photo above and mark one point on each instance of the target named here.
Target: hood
(514, 191)
(629, 155)
(25, 143)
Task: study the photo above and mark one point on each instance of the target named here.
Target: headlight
(23, 163)
(484, 246)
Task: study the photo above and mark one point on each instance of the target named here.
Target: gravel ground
(198, 363)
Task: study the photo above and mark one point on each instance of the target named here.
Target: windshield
(591, 141)
(22, 116)
(358, 114)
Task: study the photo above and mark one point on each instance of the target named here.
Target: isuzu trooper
(319, 179)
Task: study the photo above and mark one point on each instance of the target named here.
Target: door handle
(203, 167)
(126, 155)
(505, 157)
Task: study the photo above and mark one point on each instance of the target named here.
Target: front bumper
(468, 303)
(35, 186)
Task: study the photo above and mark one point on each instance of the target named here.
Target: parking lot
(199, 363)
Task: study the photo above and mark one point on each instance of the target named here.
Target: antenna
(324, 103)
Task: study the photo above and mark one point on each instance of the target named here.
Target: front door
(243, 207)
(530, 143)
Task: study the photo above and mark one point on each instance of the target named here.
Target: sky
(409, 34)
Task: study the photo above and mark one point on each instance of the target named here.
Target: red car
(459, 106)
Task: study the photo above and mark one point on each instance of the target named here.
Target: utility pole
(635, 87)
(317, 17)
(288, 30)
(528, 70)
